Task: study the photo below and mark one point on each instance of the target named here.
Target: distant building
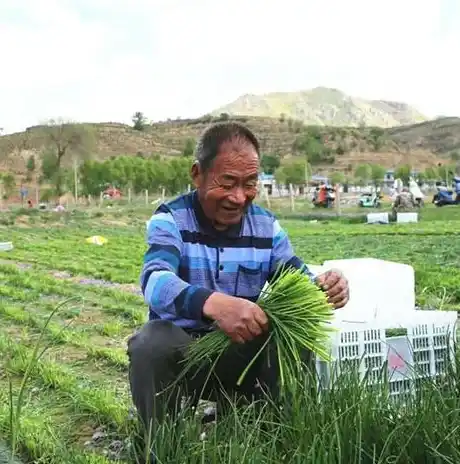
(389, 177)
(273, 189)
(316, 179)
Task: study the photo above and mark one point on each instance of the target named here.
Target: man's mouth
(231, 209)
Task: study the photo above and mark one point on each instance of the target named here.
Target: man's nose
(238, 196)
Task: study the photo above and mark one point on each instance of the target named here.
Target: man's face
(230, 184)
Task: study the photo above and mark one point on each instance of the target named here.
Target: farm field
(77, 407)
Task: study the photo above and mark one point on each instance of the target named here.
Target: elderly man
(210, 253)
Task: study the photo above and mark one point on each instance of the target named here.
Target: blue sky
(103, 60)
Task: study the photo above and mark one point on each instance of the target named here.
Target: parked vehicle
(324, 197)
(370, 200)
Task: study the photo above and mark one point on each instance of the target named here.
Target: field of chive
(75, 406)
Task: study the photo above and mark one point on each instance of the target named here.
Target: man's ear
(196, 174)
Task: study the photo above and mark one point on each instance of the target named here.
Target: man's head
(225, 172)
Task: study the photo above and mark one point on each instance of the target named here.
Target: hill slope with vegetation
(323, 106)
(103, 151)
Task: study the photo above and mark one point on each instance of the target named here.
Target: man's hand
(240, 319)
(335, 284)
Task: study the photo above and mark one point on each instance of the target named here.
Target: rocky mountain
(324, 107)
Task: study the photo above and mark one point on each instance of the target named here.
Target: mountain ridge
(323, 106)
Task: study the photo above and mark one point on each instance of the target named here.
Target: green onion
(299, 316)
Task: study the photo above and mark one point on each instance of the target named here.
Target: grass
(76, 405)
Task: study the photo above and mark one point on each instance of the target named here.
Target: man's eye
(227, 186)
(252, 184)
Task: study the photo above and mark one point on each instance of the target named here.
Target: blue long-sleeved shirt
(187, 259)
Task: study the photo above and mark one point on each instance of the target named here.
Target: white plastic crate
(6, 246)
(378, 218)
(404, 218)
(376, 287)
(425, 351)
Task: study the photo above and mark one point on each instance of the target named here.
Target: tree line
(67, 155)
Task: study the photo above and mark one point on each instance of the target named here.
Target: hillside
(324, 107)
(421, 145)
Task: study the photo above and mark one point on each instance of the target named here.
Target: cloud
(100, 61)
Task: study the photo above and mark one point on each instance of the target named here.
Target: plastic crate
(424, 351)
(378, 218)
(6, 246)
(404, 218)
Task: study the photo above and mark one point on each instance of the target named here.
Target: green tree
(94, 176)
(455, 157)
(137, 173)
(139, 121)
(421, 177)
(291, 173)
(377, 174)
(446, 172)
(270, 163)
(430, 174)
(404, 173)
(189, 147)
(310, 143)
(363, 174)
(337, 177)
(8, 183)
(30, 167)
(48, 165)
(376, 137)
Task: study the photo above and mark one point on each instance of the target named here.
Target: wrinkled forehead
(236, 154)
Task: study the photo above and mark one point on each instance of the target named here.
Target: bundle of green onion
(299, 316)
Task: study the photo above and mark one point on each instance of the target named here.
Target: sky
(103, 60)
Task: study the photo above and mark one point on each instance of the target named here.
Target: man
(210, 253)
(403, 202)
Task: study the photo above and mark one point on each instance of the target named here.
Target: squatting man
(209, 254)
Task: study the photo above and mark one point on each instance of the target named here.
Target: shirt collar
(205, 224)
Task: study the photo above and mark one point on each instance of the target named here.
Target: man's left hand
(335, 284)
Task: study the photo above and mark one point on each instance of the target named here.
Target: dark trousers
(155, 354)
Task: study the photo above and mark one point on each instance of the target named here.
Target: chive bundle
(299, 316)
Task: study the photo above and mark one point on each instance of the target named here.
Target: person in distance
(209, 254)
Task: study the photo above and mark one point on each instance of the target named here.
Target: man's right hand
(240, 319)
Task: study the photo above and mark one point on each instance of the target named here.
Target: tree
(404, 173)
(421, 177)
(363, 173)
(270, 163)
(455, 157)
(291, 173)
(376, 137)
(8, 182)
(310, 143)
(337, 177)
(377, 174)
(30, 166)
(64, 139)
(139, 121)
(189, 147)
(446, 172)
(430, 174)
(137, 173)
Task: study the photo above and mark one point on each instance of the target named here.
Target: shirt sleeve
(283, 253)
(163, 290)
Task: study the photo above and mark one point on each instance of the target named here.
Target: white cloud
(105, 60)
